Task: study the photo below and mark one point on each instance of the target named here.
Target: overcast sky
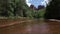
(36, 2)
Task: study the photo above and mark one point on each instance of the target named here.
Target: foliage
(18, 8)
(3, 10)
(53, 10)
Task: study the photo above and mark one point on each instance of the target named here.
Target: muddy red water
(33, 27)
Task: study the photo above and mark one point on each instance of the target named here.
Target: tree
(53, 10)
(3, 8)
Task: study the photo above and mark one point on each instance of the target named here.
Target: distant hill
(39, 7)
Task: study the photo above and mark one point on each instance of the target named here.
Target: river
(33, 27)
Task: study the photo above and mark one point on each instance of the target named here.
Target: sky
(36, 2)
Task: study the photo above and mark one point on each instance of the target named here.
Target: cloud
(45, 2)
(27, 2)
(35, 2)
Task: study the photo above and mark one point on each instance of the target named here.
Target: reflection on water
(34, 27)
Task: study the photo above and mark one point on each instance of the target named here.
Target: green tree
(3, 8)
(53, 10)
